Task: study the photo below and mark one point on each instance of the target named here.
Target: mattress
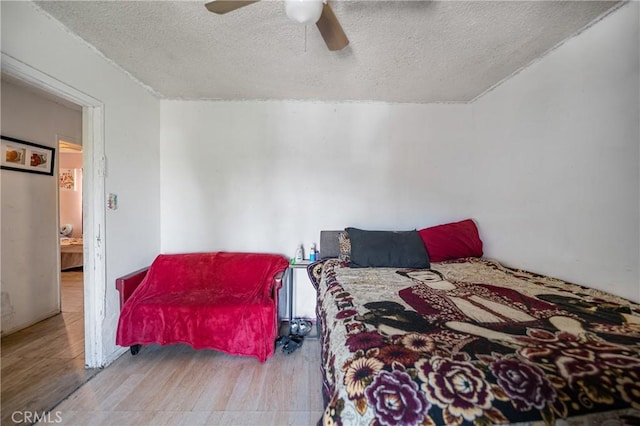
(470, 341)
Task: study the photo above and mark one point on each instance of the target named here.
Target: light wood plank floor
(176, 385)
(173, 385)
(44, 363)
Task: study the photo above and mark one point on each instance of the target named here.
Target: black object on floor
(294, 343)
(281, 340)
(289, 343)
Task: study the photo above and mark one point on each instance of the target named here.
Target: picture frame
(67, 179)
(23, 156)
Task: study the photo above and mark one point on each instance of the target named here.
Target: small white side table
(290, 282)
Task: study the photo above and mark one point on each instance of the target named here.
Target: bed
(470, 341)
(71, 253)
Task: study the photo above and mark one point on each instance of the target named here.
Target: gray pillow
(391, 249)
(329, 247)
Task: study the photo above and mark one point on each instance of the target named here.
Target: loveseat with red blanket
(222, 301)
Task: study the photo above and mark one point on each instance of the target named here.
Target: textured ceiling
(400, 51)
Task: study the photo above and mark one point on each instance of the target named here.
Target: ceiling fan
(303, 11)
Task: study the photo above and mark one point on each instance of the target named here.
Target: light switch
(112, 201)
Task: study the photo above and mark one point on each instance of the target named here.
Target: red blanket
(223, 301)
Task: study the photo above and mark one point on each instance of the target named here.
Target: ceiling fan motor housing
(304, 11)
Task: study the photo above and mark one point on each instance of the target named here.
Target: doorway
(93, 199)
(70, 222)
(44, 362)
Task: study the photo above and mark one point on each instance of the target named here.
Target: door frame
(93, 200)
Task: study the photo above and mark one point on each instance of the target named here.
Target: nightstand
(290, 283)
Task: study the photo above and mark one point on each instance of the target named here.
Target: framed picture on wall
(67, 179)
(23, 156)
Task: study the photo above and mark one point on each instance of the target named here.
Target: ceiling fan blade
(331, 30)
(224, 6)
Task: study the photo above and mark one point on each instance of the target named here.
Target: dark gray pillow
(392, 249)
(329, 247)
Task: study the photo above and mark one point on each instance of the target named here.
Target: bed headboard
(329, 246)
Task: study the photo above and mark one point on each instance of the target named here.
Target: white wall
(547, 163)
(131, 134)
(29, 205)
(267, 176)
(557, 156)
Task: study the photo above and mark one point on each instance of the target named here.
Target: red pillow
(452, 241)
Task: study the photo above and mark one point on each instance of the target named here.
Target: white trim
(93, 213)
(93, 199)
(56, 173)
(115, 355)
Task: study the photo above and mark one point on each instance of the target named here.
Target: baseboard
(114, 355)
(37, 319)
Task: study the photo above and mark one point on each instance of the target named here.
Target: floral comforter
(473, 342)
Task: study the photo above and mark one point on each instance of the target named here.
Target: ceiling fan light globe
(304, 11)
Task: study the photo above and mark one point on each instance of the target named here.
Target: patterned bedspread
(473, 342)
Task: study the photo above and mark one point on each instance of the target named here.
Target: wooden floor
(44, 363)
(177, 385)
(172, 385)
